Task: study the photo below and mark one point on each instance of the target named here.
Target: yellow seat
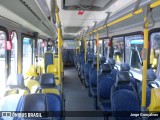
(155, 101)
(31, 72)
(15, 85)
(32, 85)
(48, 59)
(49, 90)
(53, 69)
(39, 71)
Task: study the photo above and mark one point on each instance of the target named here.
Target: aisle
(76, 96)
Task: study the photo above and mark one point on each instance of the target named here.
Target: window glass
(106, 51)
(27, 54)
(3, 39)
(95, 47)
(101, 47)
(118, 48)
(154, 52)
(40, 47)
(34, 52)
(91, 45)
(69, 44)
(14, 53)
(133, 51)
(44, 44)
(87, 45)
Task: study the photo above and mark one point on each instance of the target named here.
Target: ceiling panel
(72, 19)
(98, 3)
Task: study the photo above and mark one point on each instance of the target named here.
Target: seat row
(47, 98)
(116, 90)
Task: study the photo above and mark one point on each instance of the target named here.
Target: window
(3, 39)
(154, 52)
(27, 53)
(87, 45)
(14, 52)
(95, 46)
(133, 51)
(40, 47)
(106, 50)
(69, 44)
(118, 48)
(101, 47)
(91, 45)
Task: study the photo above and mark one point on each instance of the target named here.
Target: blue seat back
(114, 71)
(105, 81)
(104, 87)
(93, 74)
(124, 101)
(48, 59)
(88, 66)
(151, 77)
(43, 103)
(126, 67)
(124, 98)
(102, 60)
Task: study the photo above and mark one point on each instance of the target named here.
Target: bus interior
(79, 59)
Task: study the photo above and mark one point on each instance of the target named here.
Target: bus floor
(78, 105)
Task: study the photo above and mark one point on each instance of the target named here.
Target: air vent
(90, 5)
(25, 4)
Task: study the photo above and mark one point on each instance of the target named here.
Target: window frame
(149, 38)
(16, 51)
(125, 35)
(103, 40)
(7, 54)
(149, 49)
(23, 35)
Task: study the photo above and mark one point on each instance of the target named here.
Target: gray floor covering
(77, 98)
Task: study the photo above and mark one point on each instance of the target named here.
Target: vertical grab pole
(97, 41)
(145, 54)
(85, 51)
(60, 63)
(59, 45)
(98, 64)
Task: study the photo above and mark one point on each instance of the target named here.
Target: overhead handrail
(136, 6)
(139, 11)
(145, 60)
(95, 23)
(106, 21)
(149, 17)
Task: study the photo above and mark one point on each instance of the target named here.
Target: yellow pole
(59, 45)
(85, 50)
(139, 11)
(145, 54)
(97, 41)
(97, 51)
(59, 54)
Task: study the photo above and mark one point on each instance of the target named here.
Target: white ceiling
(72, 19)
